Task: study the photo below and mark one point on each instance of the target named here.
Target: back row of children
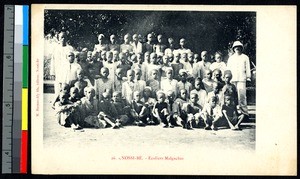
(173, 87)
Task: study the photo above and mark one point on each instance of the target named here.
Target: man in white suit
(239, 65)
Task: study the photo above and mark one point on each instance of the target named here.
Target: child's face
(135, 38)
(154, 74)
(227, 100)
(161, 98)
(116, 97)
(71, 57)
(119, 74)
(169, 74)
(103, 56)
(159, 39)
(196, 58)
(208, 74)
(106, 97)
(177, 57)
(182, 42)
(194, 98)
(215, 88)
(126, 39)
(218, 58)
(137, 96)
(183, 76)
(213, 103)
(149, 37)
(74, 92)
(90, 94)
(165, 59)
(104, 73)
(147, 56)
(115, 55)
(112, 39)
(109, 57)
(184, 57)
(171, 96)
(79, 75)
(197, 85)
(138, 74)
(100, 38)
(147, 92)
(227, 78)
(139, 58)
(191, 58)
(217, 74)
(183, 94)
(153, 58)
(63, 98)
(130, 75)
(204, 55)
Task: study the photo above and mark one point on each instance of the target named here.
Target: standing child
(103, 84)
(148, 46)
(100, 46)
(129, 86)
(161, 111)
(140, 84)
(183, 83)
(159, 48)
(118, 82)
(176, 65)
(204, 64)
(217, 73)
(169, 84)
(166, 65)
(151, 66)
(229, 87)
(122, 64)
(208, 81)
(199, 89)
(218, 64)
(153, 82)
(71, 69)
(110, 65)
(113, 46)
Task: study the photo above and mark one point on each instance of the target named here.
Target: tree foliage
(210, 31)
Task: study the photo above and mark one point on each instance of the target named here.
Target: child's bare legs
(208, 121)
(102, 116)
(240, 119)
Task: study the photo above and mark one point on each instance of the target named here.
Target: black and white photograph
(121, 82)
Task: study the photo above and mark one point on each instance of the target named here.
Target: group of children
(146, 84)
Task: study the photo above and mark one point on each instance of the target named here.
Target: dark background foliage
(210, 31)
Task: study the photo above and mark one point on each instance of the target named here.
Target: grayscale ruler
(8, 89)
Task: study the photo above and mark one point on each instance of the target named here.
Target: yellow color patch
(24, 109)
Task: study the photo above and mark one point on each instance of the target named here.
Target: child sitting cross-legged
(138, 110)
(211, 113)
(160, 111)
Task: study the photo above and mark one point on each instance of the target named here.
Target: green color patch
(25, 67)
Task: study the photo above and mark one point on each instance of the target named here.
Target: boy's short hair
(227, 72)
(136, 92)
(104, 68)
(89, 88)
(194, 93)
(214, 99)
(169, 69)
(160, 92)
(182, 71)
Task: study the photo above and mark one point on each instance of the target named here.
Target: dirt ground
(56, 135)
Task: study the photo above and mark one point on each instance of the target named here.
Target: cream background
(276, 122)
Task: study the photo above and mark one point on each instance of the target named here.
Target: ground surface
(57, 136)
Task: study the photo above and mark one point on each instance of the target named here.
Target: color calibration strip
(15, 95)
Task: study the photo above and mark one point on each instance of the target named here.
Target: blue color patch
(25, 25)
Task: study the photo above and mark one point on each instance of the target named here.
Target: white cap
(237, 43)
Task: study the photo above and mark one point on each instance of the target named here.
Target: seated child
(230, 113)
(193, 110)
(199, 89)
(211, 113)
(153, 82)
(175, 119)
(208, 81)
(103, 84)
(108, 112)
(183, 83)
(138, 110)
(160, 111)
(89, 110)
(80, 84)
(65, 110)
(123, 111)
(179, 104)
(149, 103)
(74, 95)
(65, 88)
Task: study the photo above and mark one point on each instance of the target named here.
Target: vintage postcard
(163, 89)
